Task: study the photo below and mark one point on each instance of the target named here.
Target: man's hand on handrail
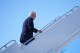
(40, 31)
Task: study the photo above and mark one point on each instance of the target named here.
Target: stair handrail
(53, 21)
(5, 46)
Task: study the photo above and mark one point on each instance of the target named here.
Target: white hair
(32, 12)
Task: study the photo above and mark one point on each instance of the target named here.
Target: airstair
(56, 35)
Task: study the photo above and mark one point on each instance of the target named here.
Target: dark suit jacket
(27, 30)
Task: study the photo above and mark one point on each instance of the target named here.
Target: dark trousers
(25, 38)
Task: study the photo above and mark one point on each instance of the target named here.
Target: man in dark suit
(28, 28)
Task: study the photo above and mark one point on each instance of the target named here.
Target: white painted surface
(59, 48)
